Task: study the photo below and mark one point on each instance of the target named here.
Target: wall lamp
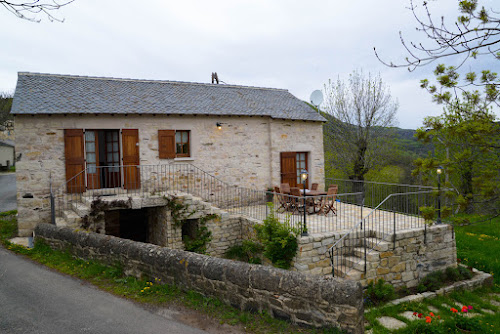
(219, 125)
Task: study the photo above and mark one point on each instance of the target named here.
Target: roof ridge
(148, 80)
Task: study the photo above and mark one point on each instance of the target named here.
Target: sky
(295, 45)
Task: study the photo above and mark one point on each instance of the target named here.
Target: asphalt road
(34, 299)
(8, 192)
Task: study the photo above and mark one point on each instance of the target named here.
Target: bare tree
(28, 10)
(359, 110)
(475, 32)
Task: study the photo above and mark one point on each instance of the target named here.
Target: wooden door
(130, 147)
(75, 160)
(288, 168)
(92, 159)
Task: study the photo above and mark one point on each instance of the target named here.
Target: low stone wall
(303, 299)
(480, 279)
(403, 263)
(312, 257)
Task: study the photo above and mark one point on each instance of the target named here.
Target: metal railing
(374, 193)
(397, 212)
(354, 212)
(147, 181)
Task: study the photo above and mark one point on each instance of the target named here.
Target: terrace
(368, 215)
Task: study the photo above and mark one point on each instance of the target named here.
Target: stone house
(68, 127)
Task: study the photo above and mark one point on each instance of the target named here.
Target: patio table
(310, 203)
(313, 192)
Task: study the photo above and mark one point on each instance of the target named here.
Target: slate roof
(7, 142)
(38, 93)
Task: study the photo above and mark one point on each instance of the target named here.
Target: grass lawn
(478, 245)
(113, 280)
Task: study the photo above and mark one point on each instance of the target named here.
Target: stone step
(81, 209)
(71, 218)
(371, 254)
(61, 222)
(354, 262)
(349, 273)
(378, 245)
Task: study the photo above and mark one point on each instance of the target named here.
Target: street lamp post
(303, 176)
(439, 170)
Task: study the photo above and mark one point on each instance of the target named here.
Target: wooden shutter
(131, 170)
(75, 160)
(166, 144)
(289, 168)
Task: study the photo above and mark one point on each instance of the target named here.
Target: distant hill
(407, 141)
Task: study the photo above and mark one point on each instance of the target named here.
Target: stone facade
(303, 299)
(414, 254)
(245, 152)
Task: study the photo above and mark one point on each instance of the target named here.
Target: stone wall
(414, 256)
(244, 153)
(303, 299)
(227, 229)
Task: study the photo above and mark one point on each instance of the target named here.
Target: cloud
(297, 45)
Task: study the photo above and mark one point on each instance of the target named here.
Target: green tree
(358, 112)
(475, 32)
(466, 138)
(5, 106)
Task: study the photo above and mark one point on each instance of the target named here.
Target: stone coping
(480, 278)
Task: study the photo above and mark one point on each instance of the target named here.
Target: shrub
(379, 292)
(279, 241)
(428, 213)
(452, 274)
(464, 324)
(431, 282)
(435, 280)
(248, 251)
(464, 272)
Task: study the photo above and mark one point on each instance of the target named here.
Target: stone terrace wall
(410, 260)
(303, 299)
(227, 230)
(413, 259)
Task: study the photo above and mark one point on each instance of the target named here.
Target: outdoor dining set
(313, 201)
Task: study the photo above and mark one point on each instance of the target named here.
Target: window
(173, 144)
(182, 143)
(301, 161)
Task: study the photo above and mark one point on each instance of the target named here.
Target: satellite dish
(316, 98)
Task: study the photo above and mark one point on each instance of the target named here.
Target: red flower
(415, 313)
(428, 320)
(470, 307)
(465, 309)
(454, 310)
(431, 314)
(420, 315)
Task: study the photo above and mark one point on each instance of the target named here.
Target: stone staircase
(352, 265)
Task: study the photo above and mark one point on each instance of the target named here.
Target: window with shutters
(173, 144)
